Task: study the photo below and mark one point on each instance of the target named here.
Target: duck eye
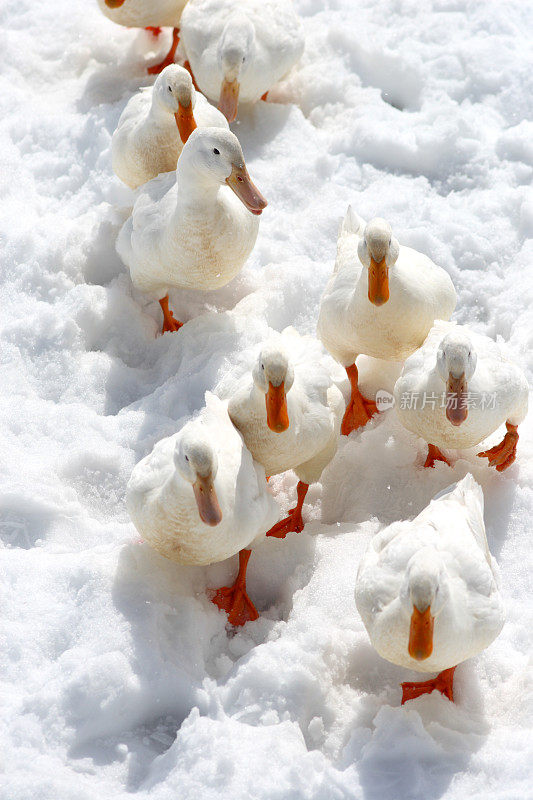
(186, 458)
(216, 151)
(170, 88)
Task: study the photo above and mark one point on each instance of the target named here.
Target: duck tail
(469, 492)
(352, 223)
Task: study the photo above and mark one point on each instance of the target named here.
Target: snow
(119, 676)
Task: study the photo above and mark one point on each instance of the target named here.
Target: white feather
(315, 408)
(162, 506)
(451, 532)
(279, 43)
(498, 391)
(349, 324)
(145, 13)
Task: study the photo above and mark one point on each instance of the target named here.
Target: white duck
(199, 498)
(457, 389)
(428, 589)
(381, 300)
(150, 14)
(238, 50)
(156, 123)
(289, 412)
(196, 227)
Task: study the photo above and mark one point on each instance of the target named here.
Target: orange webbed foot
(293, 523)
(502, 455)
(154, 30)
(235, 601)
(434, 454)
(171, 325)
(443, 683)
(358, 412)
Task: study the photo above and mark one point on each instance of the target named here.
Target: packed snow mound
(119, 676)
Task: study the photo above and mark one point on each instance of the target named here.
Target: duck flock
(427, 588)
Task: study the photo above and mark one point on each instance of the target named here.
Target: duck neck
(174, 490)
(236, 44)
(195, 186)
(257, 397)
(360, 290)
(160, 116)
(425, 576)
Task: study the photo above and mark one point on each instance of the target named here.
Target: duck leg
(359, 410)
(443, 683)
(294, 521)
(434, 454)
(169, 58)
(187, 66)
(502, 455)
(234, 599)
(169, 323)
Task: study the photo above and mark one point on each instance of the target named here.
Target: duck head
(196, 462)
(273, 376)
(456, 363)
(215, 156)
(378, 250)
(235, 52)
(423, 595)
(174, 92)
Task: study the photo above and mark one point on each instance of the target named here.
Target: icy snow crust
(119, 675)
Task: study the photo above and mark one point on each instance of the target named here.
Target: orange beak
(378, 282)
(228, 101)
(276, 406)
(456, 393)
(114, 3)
(421, 634)
(249, 195)
(207, 500)
(185, 121)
